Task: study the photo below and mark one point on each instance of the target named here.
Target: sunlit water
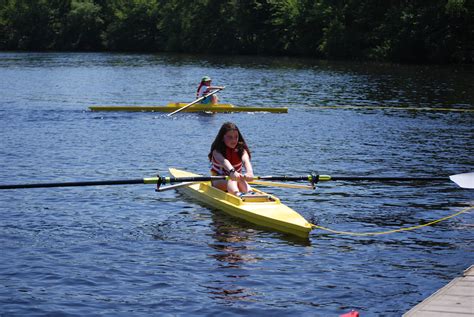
(129, 251)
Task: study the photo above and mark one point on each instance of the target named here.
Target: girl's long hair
(199, 87)
(219, 144)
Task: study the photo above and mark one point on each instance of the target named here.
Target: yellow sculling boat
(261, 209)
(223, 107)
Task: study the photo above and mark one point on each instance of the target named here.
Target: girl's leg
(233, 187)
(244, 187)
(214, 99)
(220, 184)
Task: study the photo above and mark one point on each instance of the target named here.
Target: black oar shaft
(75, 184)
(152, 180)
(387, 178)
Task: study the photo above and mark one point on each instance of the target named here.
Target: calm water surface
(129, 251)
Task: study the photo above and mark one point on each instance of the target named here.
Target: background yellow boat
(223, 107)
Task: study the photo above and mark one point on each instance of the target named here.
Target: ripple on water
(127, 250)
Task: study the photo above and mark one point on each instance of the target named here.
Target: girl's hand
(234, 175)
(248, 177)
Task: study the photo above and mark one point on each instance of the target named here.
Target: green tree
(134, 26)
(82, 26)
(395, 30)
(309, 26)
(27, 25)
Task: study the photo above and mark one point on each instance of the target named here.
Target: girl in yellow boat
(229, 155)
(205, 88)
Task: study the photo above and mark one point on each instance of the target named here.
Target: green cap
(206, 78)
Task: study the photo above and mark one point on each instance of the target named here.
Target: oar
(195, 101)
(254, 182)
(152, 180)
(465, 180)
(170, 187)
(275, 184)
(149, 180)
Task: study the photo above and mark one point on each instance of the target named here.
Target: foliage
(133, 26)
(440, 31)
(82, 27)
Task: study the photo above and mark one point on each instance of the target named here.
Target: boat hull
(219, 108)
(269, 213)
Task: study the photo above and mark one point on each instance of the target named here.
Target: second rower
(204, 88)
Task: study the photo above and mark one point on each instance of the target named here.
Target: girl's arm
(248, 167)
(222, 160)
(214, 88)
(228, 166)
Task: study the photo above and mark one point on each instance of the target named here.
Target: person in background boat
(229, 155)
(205, 88)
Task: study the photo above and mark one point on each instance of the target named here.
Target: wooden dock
(456, 299)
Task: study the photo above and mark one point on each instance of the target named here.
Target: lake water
(129, 251)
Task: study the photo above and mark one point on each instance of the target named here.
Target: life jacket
(232, 155)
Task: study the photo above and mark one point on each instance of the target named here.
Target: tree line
(436, 31)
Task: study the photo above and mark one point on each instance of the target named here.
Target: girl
(205, 88)
(229, 153)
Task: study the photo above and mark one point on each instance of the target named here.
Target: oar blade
(465, 180)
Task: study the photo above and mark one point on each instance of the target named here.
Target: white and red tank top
(232, 155)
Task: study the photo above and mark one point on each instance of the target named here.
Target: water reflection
(232, 253)
(235, 245)
(238, 294)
